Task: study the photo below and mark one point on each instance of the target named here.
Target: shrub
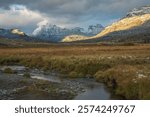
(27, 75)
(129, 90)
(9, 60)
(24, 81)
(73, 74)
(99, 76)
(144, 88)
(8, 71)
(121, 78)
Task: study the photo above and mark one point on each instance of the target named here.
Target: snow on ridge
(55, 33)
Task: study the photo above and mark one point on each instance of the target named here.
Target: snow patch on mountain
(134, 27)
(55, 33)
(139, 11)
(125, 24)
(95, 29)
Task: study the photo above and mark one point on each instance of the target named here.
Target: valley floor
(125, 69)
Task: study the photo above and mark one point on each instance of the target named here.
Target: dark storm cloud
(72, 7)
(79, 11)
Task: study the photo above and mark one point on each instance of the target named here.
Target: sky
(27, 15)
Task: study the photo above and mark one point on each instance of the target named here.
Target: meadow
(125, 69)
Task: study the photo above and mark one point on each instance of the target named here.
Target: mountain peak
(135, 24)
(55, 33)
(125, 24)
(139, 11)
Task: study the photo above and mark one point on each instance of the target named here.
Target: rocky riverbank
(17, 87)
(35, 85)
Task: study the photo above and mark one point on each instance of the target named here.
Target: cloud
(19, 16)
(65, 13)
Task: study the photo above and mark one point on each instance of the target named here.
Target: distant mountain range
(50, 33)
(134, 27)
(55, 33)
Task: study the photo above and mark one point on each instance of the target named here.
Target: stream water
(96, 92)
(91, 90)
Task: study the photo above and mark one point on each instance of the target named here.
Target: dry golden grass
(92, 50)
(128, 66)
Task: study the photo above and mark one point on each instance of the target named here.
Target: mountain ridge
(129, 26)
(14, 33)
(56, 33)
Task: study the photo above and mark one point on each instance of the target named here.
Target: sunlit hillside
(17, 31)
(125, 24)
(74, 38)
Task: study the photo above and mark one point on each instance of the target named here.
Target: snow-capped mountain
(12, 33)
(95, 29)
(139, 11)
(55, 33)
(134, 27)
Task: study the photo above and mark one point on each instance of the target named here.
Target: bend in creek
(88, 89)
(95, 91)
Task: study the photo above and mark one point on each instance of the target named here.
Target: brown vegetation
(125, 69)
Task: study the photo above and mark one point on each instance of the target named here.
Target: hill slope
(55, 33)
(12, 34)
(134, 27)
